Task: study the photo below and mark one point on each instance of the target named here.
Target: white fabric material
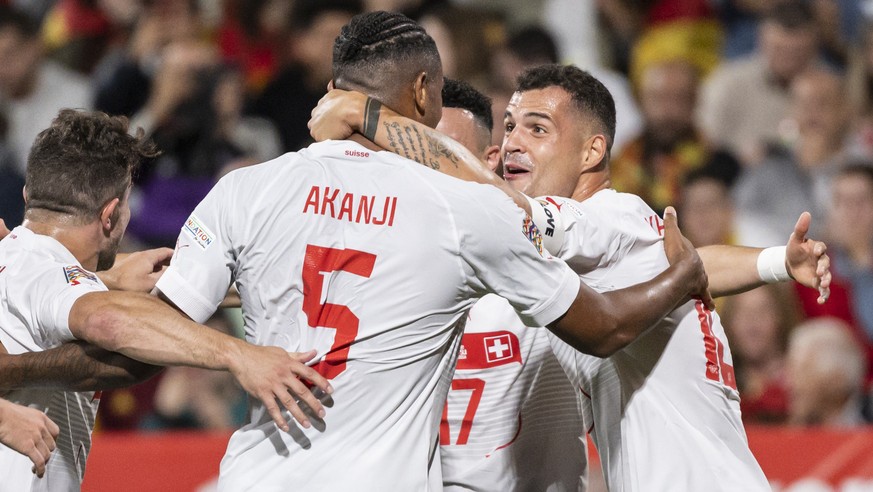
(665, 409)
(40, 280)
(391, 252)
(512, 420)
(771, 265)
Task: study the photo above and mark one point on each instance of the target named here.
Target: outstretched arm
(601, 324)
(145, 328)
(73, 366)
(735, 269)
(340, 113)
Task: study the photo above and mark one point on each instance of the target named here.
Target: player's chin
(519, 181)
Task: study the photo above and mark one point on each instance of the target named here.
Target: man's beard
(106, 258)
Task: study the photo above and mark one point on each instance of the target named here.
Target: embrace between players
(379, 308)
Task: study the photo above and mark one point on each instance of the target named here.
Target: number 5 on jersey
(319, 261)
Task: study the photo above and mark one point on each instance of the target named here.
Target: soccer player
(511, 420)
(375, 262)
(671, 393)
(78, 183)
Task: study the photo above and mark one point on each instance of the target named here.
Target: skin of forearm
(146, 329)
(731, 269)
(602, 324)
(74, 366)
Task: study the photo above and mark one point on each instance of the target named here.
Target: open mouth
(514, 170)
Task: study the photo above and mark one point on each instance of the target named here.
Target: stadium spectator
(251, 36)
(744, 102)
(758, 323)
(654, 164)
(124, 83)
(288, 99)
(802, 169)
(825, 368)
(194, 114)
(32, 88)
(455, 29)
(850, 233)
(662, 29)
(706, 209)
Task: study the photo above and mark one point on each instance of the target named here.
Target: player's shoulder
(27, 258)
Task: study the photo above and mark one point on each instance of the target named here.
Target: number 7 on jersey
(318, 261)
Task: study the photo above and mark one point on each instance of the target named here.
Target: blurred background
(742, 113)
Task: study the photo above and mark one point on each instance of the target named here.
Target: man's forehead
(549, 101)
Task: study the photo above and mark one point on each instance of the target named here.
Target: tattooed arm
(340, 113)
(74, 366)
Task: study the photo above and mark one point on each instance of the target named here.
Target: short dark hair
(588, 94)
(792, 15)
(376, 48)
(459, 94)
(83, 160)
(26, 26)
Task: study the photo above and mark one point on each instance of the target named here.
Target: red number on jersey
(319, 261)
(478, 386)
(716, 368)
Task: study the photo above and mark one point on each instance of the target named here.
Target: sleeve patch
(76, 274)
(201, 235)
(532, 233)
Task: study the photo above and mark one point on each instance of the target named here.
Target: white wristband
(547, 218)
(772, 266)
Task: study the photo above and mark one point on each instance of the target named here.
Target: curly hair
(82, 161)
(588, 94)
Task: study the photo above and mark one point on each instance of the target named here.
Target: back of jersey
(372, 261)
(665, 408)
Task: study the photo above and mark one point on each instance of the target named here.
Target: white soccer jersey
(666, 410)
(512, 420)
(373, 261)
(39, 282)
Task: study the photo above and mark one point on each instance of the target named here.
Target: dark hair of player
(588, 94)
(378, 52)
(82, 161)
(459, 94)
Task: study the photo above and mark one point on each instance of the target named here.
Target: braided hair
(376, 45)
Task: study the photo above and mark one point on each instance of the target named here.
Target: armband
(771, 265)
(547, 218)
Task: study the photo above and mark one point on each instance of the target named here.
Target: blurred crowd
(742, 113)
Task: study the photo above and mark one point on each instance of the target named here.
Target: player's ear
(492, 158)
(109, 214)
(24, 193)
(593, 152)
(419, 91)
(330, 85)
